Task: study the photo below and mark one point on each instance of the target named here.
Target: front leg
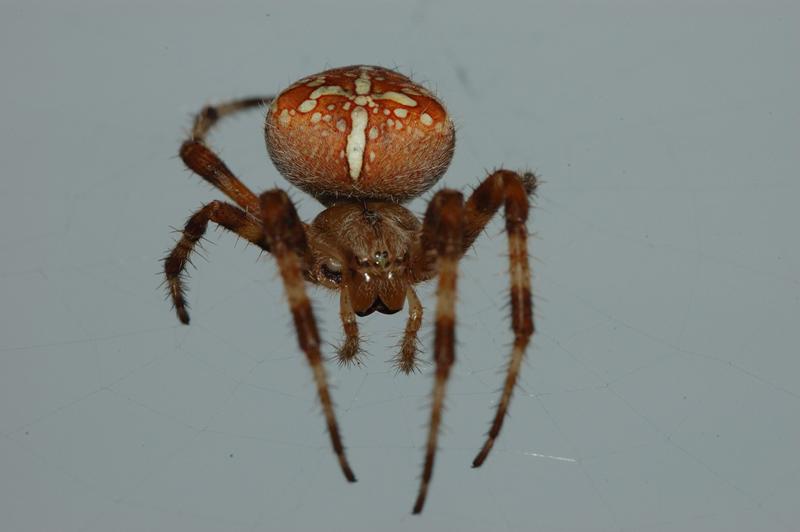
(202, 160)
(511, 189)
(489, 196)
(223, 214)
(285, 234)
(443, 225)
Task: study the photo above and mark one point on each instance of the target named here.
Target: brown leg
(485, 201)
(511, 189)
(349, 351)
(204, 162)
(285, 235)
(406, 360)
(211, 114)
(444, 218)
(228, 216)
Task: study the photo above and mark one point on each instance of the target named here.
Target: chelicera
(363, 140)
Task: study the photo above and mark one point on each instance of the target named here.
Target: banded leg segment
(199, 158)
(211, 114)
(488, 197)
(511, 190)
(286, 238)
(225, 215)
(443, 218)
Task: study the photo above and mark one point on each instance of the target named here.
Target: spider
(363, 140)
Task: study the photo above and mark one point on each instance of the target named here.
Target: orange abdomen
(363, 132)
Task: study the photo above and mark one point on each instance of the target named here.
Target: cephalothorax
(363, 140)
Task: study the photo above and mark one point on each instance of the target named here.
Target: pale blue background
(662, 390)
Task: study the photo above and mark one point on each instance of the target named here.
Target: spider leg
(211, 114)
(511, 189)
(199, 158)
(444, 218)
(225, 215)
(406, 360)
(286, 239)
(348, 353)
(488, 197)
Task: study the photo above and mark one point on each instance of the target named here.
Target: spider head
(364, 248)
(377, 282)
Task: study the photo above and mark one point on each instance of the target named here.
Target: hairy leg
(348, 353)
(444, 218)
(211, 114)
(406, 360)
(199, 158)
(512, 190)
(489, 196)
(225, 215)
(286, 238)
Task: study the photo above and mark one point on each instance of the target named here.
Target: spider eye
(332, 270)
(381, 258)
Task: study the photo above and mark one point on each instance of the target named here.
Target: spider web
(660, 392)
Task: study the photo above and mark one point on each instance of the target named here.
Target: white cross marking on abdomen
(359, 117)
